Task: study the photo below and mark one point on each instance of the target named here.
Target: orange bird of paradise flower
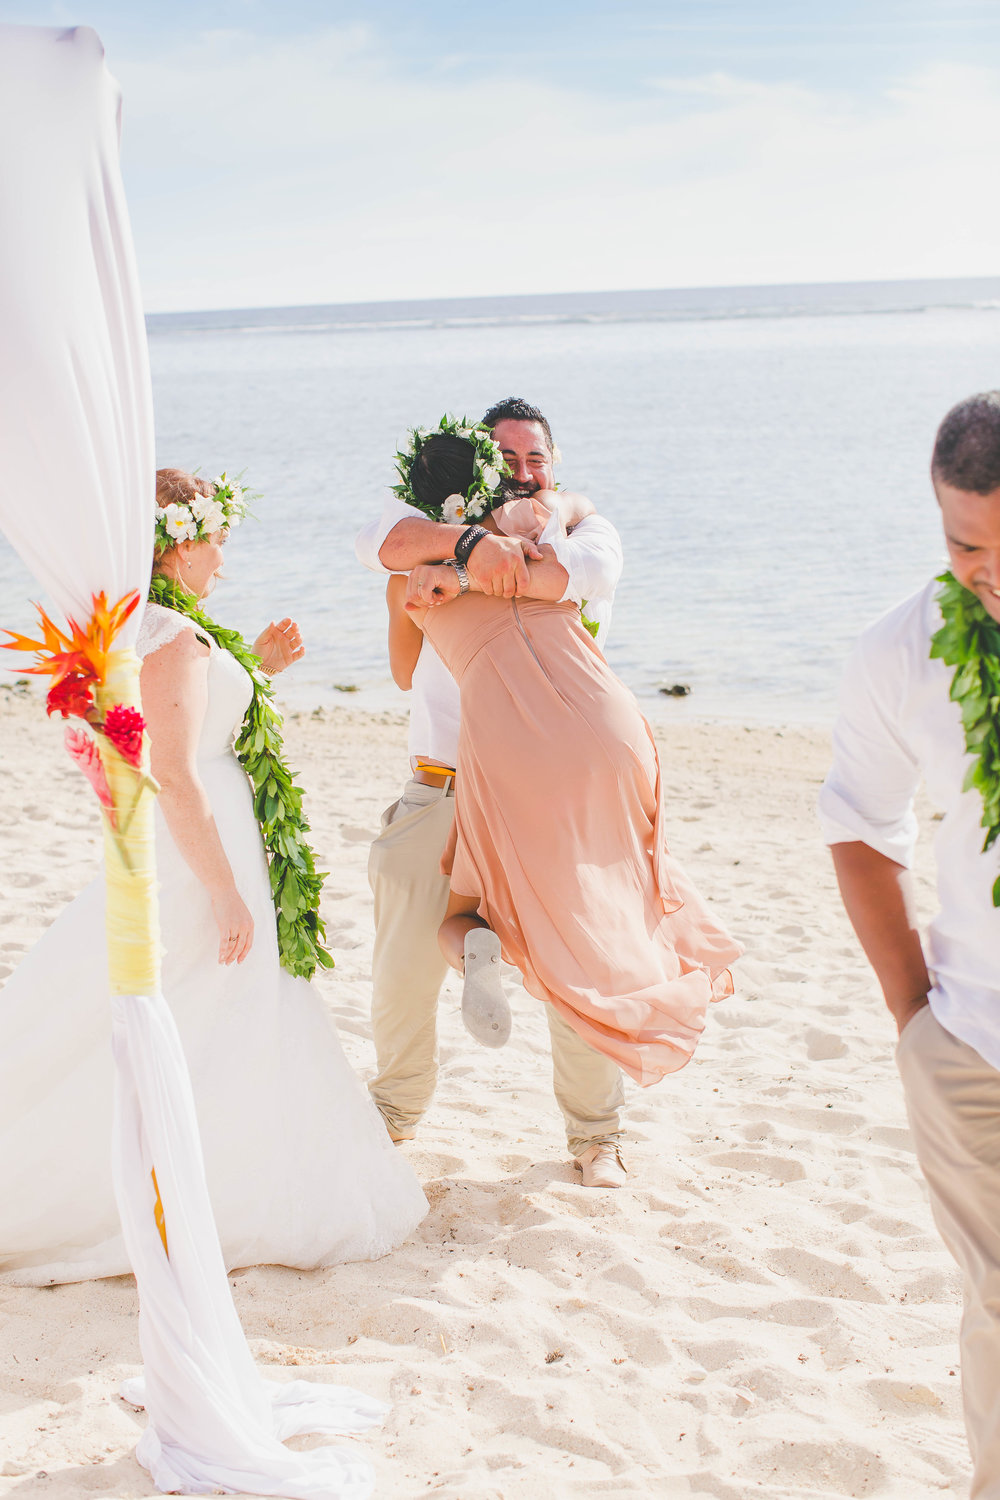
(83, 654)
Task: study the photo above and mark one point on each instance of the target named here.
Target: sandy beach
(766, 1311)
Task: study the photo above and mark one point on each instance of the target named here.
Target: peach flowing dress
(558, 834)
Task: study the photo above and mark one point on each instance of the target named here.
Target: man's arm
(496, 563)
(878, 898)
(866, 810)
(402, 538)
(433, 584)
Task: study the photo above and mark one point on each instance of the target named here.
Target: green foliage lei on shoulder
(969, 641)
(295, 882)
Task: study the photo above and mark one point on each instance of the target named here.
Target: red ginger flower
(87, 756)
(123, 727)
(71, 695)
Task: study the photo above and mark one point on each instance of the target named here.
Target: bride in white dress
(300, 1168)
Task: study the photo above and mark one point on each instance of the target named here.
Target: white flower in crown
(491, 476)
(214, 518)
(475, 508)
(453, 510)
(179, 523)
(199, 506)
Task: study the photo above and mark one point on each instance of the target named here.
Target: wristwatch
(470, 536)
(461, 573)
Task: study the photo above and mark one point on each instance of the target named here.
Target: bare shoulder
(181, 650)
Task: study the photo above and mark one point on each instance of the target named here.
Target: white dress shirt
(896, 724)
(592, 557)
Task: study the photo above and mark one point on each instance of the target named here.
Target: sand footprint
(351, 834)
(892, 1135)
(829, 1119)
(826, 1278)
(824, 1046)
(778, 1168)
(836, 1468)
(800, 1312)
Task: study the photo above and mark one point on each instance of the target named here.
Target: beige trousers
(408, 968)
(953, 1101)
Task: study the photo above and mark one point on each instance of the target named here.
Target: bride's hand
(235, 925)
(572, 508)
(430, 584)
(278, 645)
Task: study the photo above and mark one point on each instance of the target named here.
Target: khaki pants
(953, 1101)
(408, 968)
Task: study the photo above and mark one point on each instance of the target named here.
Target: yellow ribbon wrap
(133, 927)
(159, 1220)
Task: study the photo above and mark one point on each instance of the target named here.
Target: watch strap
(461, 573)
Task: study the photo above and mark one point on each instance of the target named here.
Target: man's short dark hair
(967, 447)
(515, 409)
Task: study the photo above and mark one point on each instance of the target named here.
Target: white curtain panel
(76, 501)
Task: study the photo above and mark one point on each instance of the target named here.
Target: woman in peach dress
(559, 841)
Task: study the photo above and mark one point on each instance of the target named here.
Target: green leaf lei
(277, 801)
(969, 641)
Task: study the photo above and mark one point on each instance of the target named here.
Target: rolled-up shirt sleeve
(868, 795)
(592, 556)
(368, 542)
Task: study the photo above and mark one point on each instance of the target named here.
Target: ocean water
(762, 451)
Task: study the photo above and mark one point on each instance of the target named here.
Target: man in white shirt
(410, 892)
(898, 722)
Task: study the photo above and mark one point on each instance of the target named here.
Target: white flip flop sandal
(485, 1011)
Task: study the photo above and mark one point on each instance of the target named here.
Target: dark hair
(444, 466)
(515, 409)
(967, 447)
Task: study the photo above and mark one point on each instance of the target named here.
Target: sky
(301, 152)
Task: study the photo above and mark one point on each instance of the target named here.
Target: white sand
(766, 1311)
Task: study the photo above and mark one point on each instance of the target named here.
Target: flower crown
(489, 469)
(195, 519)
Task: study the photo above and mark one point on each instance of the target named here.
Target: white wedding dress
(300, 1168)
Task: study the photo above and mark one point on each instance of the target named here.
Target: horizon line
(549, 297)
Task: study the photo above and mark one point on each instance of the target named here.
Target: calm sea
(763, 452)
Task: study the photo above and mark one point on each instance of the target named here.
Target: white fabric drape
(76, 478)
(76, 501)
(213, 1421)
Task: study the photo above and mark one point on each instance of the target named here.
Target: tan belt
(429, 773)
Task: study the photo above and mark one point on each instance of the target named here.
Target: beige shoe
(602, 1166)
(398, 1134)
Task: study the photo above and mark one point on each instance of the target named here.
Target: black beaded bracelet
(469, 538)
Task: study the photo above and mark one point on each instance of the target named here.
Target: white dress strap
(160, 625)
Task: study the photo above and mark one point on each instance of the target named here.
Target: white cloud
(308, 170)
